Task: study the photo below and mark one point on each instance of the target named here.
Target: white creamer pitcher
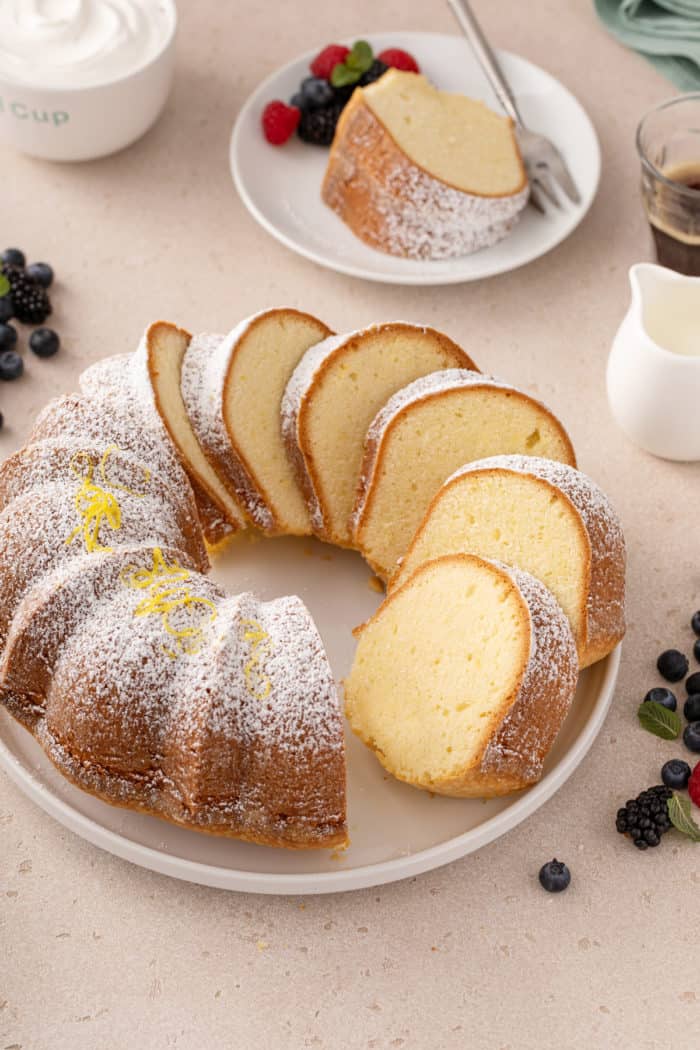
(654, 365)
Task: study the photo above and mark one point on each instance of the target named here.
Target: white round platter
(396, 831)
(281, 186)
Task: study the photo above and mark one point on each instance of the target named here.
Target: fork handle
(487, 60)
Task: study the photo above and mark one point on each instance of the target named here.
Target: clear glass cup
(668, 143)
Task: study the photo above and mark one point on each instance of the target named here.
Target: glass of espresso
(668, 142)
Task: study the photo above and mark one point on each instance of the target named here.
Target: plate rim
(306, 883)
(418, 279)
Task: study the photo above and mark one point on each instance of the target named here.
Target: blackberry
(645, 818)
(375, 71)
(317, 126)
(672, 665)
(30, 302)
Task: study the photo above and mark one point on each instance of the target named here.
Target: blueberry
(675, 773)
(8, 337)
(662, 695)
(299, 101)
(691, 736)
(696, 650)
(672, 665)
(554, 876)
(691, 708)
(13, 257)
(317, 92)
(41, 273)
(11, 364)
(44, 342)
(692, 683)
(6, 309)
(2, 420)
(695, 622)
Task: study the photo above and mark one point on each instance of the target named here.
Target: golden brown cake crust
(295, 427)
(395, 205)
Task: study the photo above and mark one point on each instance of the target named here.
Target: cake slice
(543, 517)
(232, 387)
(423, 434)
(463, 677)
(157, 365)
(332, 397)
(423, 173)
(150, 380)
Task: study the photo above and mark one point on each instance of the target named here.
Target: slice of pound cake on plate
(424, 173)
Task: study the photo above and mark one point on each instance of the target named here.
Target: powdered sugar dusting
(522, 742)
(398, 207)
(204, 371)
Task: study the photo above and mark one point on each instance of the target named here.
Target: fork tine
(535, 198)
(544, 185)
(562, 176)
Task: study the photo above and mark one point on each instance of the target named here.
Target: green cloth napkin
(666, 32)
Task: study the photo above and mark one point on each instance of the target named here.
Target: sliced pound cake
(463, 677)
(427, 431)
(333, 395)
(424, 173)
(543, 517)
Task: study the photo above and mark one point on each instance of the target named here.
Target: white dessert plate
(281, 186)
(396, 831)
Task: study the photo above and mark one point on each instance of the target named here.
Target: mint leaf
(341, 76)
(657, 719)
(4, 285)
(679, 814)
(361, 57)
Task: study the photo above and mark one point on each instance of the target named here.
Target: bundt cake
(143, 682)
(543, 517)
(332, 397)
(232, 387)
(422, 173)
(463, 678)
(152, 689)
(152, 376)
(425, 432)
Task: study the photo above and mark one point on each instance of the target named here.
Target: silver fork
(544, 163)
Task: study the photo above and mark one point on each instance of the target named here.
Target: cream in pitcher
(654, 366)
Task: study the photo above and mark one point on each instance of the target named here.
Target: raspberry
(326, 60)
(694, 785)
(279, 121)
(398, 59)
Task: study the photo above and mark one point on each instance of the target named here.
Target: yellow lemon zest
(94, 504)
(169, 591)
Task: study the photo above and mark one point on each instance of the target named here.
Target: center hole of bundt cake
(336, 585)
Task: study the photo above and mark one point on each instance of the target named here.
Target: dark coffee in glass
(668, 141)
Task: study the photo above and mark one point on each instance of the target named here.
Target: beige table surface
(101, 955)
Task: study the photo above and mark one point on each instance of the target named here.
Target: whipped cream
(77, 43)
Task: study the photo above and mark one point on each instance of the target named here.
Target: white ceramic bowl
(88, 121)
